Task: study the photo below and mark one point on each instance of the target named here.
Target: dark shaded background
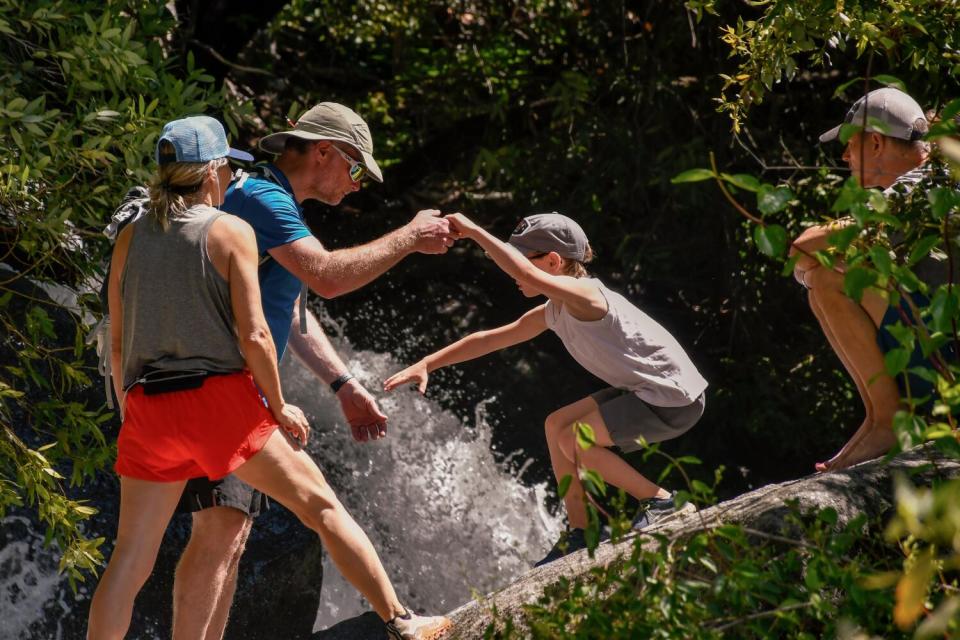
(501, 111)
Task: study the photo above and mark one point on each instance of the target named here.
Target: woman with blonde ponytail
(175, 186)
(195, 368)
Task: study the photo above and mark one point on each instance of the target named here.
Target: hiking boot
(570, 540)
(655, 509)
(410, 626)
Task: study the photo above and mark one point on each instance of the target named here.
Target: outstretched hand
(430, 232)
(292, 420)
(460, 225)
(416, 373)
(366, 420)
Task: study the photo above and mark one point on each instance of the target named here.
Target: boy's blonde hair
(576, 268)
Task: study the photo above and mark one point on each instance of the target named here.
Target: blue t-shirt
(277, 219)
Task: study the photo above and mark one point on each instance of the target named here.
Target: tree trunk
(865, 489)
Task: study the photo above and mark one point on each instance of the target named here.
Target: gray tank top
(176, 307)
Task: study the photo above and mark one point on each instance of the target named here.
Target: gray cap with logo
(545, 232)
(329, 121)
(889, 112)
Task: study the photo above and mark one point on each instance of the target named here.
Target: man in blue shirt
(324, 157)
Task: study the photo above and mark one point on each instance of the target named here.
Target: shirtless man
(856, 330)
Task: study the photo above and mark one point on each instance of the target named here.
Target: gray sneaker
(656, 509)
(410, 626)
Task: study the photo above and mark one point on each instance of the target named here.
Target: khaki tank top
(176, 307)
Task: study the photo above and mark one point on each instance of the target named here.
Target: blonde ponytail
(175, 186)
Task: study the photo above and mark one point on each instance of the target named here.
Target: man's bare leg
(851, 329)
(206, 576)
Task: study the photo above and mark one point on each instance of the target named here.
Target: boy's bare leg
(145, 510)
(851, 329)
(292, 478)
(564, 450)
(206, 576)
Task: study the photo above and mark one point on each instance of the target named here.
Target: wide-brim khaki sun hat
(330, 121)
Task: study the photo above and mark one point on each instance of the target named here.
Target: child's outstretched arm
(528, 326)
(583, 298)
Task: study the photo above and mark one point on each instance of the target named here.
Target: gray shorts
(202, 493)
(628, 417)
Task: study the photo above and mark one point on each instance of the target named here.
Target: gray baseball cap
(329, 121)
(889, 112)
(546, 232)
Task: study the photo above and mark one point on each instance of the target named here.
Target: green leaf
(842, 237)
(896, 360)
(585, 435)
(943, 310)
(772, 199)
(922, 249)
(839, 91)
(564, 485)
(593, 483)
(771, 240)
(942, 201)
(692, 175)
(880, 257)
(847, 131)
(951, 110)
(743, 181)
(857, 280)
(890, 81)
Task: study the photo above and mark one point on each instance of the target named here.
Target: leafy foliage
(724, 581)
(84, 90)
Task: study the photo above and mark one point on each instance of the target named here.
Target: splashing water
(448, 521)
(30, 587)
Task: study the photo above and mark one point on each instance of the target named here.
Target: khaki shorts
(628, 418)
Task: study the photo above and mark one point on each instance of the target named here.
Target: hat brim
(831, 135)
(522, 248)
(275, 142)
(236, 154)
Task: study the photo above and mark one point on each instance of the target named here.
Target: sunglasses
(357, 168)
(534, 256)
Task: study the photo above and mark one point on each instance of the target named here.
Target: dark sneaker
(570, 540)
(413, 627)
(655, 509)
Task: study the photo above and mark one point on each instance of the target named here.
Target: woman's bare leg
(561, 441)
(292, 478)
(145, 510)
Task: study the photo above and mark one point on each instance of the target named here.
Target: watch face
(521, 227)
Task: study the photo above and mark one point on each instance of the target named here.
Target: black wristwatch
(339, 382)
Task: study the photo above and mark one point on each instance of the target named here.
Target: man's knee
(220, 533)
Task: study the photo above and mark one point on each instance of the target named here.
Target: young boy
(655, 390)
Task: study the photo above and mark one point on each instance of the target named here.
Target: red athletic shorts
(209, 431)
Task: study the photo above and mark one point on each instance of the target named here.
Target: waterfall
(448, 520)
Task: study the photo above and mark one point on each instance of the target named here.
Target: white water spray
(448, 521)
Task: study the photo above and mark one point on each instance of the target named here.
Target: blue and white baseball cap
(197, 139)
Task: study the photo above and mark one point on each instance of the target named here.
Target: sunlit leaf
(692, 175)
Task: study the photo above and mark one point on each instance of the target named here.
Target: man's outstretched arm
(333, 273)
(360, 408)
